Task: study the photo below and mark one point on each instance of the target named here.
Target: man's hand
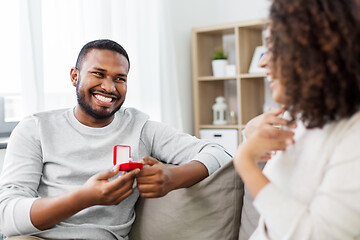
(154, 180)
(100, 191)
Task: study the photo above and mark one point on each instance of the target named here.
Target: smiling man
(109, 67)
(58, 180)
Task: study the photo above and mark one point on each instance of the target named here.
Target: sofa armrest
(211, 209)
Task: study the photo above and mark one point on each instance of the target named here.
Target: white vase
(219, 67)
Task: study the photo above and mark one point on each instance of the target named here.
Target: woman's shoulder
(345, 137)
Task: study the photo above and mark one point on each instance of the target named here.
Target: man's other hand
(154, 180)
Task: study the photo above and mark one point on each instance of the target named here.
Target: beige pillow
(210, 209)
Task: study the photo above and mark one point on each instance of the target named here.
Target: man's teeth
(103, 99)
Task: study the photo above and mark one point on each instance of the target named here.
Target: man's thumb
(108, 174)
(149, 161)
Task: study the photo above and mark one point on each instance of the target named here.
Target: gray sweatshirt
(52, 153)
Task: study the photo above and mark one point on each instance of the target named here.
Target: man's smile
(102, 98)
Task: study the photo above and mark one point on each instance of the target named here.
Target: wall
(183, 15)
(2, 155)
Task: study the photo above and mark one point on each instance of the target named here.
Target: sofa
(216, 208)
(219, 207)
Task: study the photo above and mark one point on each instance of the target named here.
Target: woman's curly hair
(315, 47)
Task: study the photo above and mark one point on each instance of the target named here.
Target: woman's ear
(74, 73)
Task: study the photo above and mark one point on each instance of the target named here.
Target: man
(56, 183)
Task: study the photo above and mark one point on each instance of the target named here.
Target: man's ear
(74, 73)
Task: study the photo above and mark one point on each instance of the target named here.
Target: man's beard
(89, 110)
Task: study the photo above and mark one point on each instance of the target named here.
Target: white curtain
(52, 33)
(170, 78)
(31, 60)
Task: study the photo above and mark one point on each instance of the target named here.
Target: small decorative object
(220, 111)
(219, 62)
(254, 66)
(232, 117)
(230, 70)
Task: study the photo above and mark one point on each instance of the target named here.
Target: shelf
(209, 126)
(244, 75)
(211, 78)
(219, 126)
(254, 23)
(244, 92)
(253, 75)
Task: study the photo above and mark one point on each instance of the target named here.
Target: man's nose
(108, 84)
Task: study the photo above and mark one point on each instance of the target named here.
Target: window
(10, 94)
(43, 39)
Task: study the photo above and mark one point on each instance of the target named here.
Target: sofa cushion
(210, 209)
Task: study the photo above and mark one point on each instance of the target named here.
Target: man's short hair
(105, 44)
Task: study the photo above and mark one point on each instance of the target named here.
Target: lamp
(220, 111)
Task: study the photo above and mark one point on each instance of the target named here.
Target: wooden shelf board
(255, 23)
(244, 75)
(211, 78)
(252, 75)
(219, 126)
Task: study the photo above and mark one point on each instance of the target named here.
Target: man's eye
(98, 74)
(120, 79)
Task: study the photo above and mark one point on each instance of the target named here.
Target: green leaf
(219, 54)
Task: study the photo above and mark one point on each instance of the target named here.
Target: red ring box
(130, 166)
(127, 166)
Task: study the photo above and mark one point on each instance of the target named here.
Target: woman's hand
(271, 127)
(269, 118)
(265, 134)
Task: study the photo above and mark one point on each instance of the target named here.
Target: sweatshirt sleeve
(19, 179)
(172, 146)
(333, 213)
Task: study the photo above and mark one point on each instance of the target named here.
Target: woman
(311, 188)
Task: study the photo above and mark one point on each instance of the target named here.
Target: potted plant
(219, 62)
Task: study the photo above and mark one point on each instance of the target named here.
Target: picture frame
(254, 65)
